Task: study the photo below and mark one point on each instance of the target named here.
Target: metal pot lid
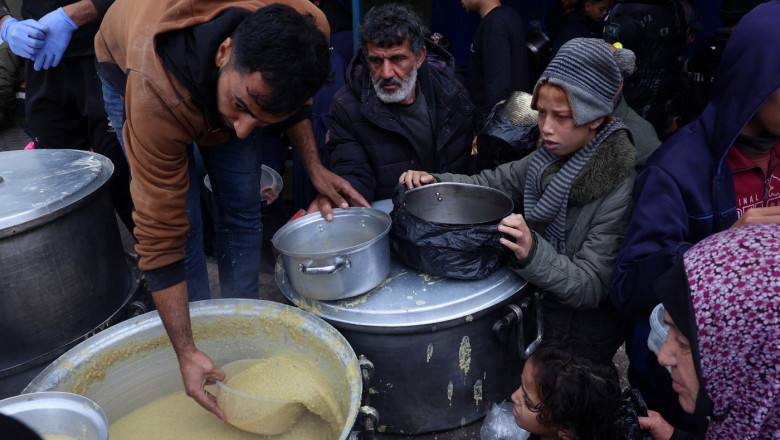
(34, 183)
(408, 299)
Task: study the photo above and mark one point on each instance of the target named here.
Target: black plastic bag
(466, 252)
(626, 425)
(510, 133)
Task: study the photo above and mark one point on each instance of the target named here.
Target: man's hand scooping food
(197, 369)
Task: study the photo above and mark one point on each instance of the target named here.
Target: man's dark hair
(288, 50)
(389, 25)
(579, 387)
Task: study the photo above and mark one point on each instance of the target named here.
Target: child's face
(525, 399)
(596, 11)
(556, 123)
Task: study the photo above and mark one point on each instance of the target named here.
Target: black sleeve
(4, 9)
(679, 434)
(101, 6)
(167, 276)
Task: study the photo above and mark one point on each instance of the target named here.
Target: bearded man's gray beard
(400, 94)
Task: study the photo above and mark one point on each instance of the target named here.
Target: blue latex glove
(61, 28)
(25, 38)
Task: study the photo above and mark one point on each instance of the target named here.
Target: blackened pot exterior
(438, 362)
(63, 272)
(439, 379)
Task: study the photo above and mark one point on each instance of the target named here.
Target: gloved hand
(61, 28)
(25, 38)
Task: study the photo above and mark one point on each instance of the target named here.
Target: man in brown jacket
(208, 73)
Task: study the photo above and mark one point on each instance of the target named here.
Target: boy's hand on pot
(413, 178)
(514, 225)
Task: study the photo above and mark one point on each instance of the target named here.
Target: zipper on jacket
(766, 189)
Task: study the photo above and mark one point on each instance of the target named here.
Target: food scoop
(256, 414)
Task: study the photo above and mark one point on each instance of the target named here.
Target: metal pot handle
(514, 317)
(368, 423)
(528, 351)
(341, 263)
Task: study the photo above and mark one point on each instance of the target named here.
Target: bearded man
(401, 108)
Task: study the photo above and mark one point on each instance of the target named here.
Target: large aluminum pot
(458, 203)
(132, 363)
(63, 273)
(443, 349)
(338, 259)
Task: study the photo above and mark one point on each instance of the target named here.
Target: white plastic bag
(500, 424)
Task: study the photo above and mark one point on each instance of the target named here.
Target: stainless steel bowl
(458, 204)
(51, 413)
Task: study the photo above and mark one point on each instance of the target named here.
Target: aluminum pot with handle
(339, 259)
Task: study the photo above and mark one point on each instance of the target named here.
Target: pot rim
(316, 217)
(393, 307)
(44, 402)
(56, 198)
(486, 189)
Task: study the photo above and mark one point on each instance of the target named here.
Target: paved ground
(13, 139)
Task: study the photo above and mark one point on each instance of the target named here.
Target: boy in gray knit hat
(575, 192)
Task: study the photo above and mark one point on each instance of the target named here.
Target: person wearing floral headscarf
(722, 303)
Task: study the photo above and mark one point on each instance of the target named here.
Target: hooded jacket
(163, 115)
(368, 146)
(724, 298)
(686, 190)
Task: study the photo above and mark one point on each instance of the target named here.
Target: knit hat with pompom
(591, 75)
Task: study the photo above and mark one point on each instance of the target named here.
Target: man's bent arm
(197, 369)
(82, 12)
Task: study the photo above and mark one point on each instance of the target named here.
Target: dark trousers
(64, 109)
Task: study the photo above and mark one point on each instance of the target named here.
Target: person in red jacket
(720, 171)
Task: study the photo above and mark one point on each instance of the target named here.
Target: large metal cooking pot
(338, 259)
(132, 363)
(63, 273)
(438, 361)
(458, 203)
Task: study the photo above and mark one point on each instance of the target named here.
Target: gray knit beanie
(586, 69)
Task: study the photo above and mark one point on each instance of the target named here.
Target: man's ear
(223, 52)
(564, 434)
(421, 58)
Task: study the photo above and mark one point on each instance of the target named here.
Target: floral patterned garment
(735, 287)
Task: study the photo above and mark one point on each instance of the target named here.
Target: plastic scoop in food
(256, 414)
